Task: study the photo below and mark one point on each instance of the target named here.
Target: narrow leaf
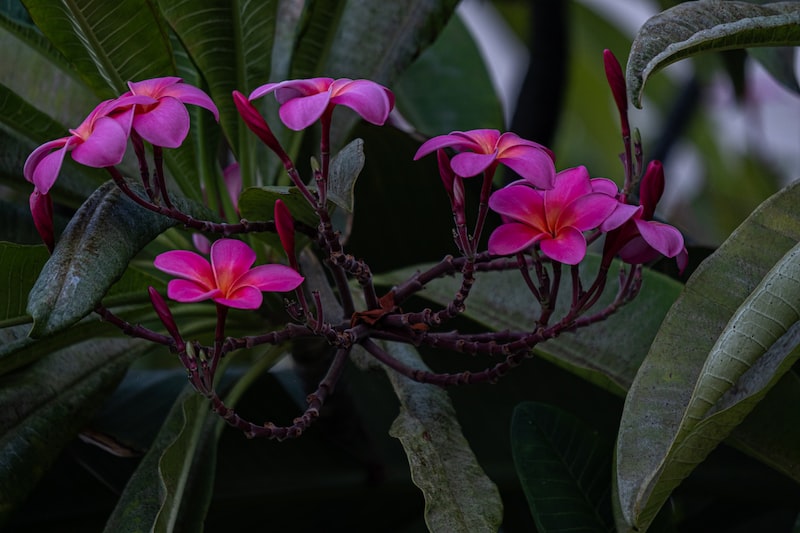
(694, 27)
(19, 267)
(656, 406)
(564, 468)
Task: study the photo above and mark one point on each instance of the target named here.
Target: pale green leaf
(728, 291)
(694, 27)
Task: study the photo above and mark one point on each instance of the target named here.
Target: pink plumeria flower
(161, 117)
(303, 102)
(227, 279)
(484, 149)
(99, 141)
(554, 218)
(640, 239)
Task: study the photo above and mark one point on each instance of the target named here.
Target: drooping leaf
(92, 254)
(694, 27)
(564, 468)
(730, 288)
(345, 168)
(459, 497)
(108, 43)
(52, 399)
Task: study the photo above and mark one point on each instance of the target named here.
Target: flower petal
(301, 112)
(621, 214)
(444, 141)
(230, 260)
(533, 164)
(246, 297)
(568, 247)
(42, 168)
(664, 238)
(189, 94)
(104, 147)
(272, 278)
(467, 164)
(36, 157)
(520, 203)
(166, 124)
(188, 265)
(372, 101)
(42, 211)
(513, 237)
(587, 212)
(182, 290)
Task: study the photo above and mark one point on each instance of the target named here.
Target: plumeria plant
(222, 239)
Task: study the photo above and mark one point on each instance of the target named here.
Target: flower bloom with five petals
(640, 239)
(484, 149)
(227, 279)
(555, 218)
(303, 102)
(161, 117)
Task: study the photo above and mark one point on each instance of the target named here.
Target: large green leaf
(92, 254)
(51, 401)
(748, 286)
(108, 43)
(231, 44)
(459, 497)
(694, 27)
(564, 468)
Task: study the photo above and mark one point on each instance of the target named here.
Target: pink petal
(533, 164)
(651, 188)
(42, 166)
(286, 90)
(104, 147)
(182, 290)
(154, 87)
(189, 94)
(513, 237)
(520, 203)
(605, 186)
(568, 247)
(664, 238)
(299, 113)
(201, 243)
(367, 98)
(570, 184)
(272, 278)
(621, 214)
(586, 212)
(485, 140)
(232, 176)
(188, 265)
(467, 164)
(166, 124)
(246, 297)
(444, 141)
(230, 260)
(42, 211)
(637, 251)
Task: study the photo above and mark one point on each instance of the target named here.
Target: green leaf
(729, 293)
(694, 27)
(564, 468)
(108, 43)
(92, 254)
(52, 400)
(607, 353)
(345, 168)
(19, 267)
(459, 497)
(231, 44)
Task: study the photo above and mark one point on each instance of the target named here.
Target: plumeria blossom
(99, 141)
(303, 102)
(227, 279)
(554, 218)
(641, 239)
(161, 117)
(484, 149)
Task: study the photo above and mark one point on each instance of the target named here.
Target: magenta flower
(228, 279)
(484, 149)
(99, 141)
(641, 239)
(42, 210)
(161, 117)
(303, 102)
(554, 218)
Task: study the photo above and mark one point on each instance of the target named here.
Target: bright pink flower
(554, 218)
(228, 279)
(641, 239)
(99, 141)
(161, 117)
(484, 149)
(303, 102)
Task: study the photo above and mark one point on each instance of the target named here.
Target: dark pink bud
(258, 125)
(651, 188)
(284, 224)
(445, 172)
(42, 210)
(616, 80)
(165, 315)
